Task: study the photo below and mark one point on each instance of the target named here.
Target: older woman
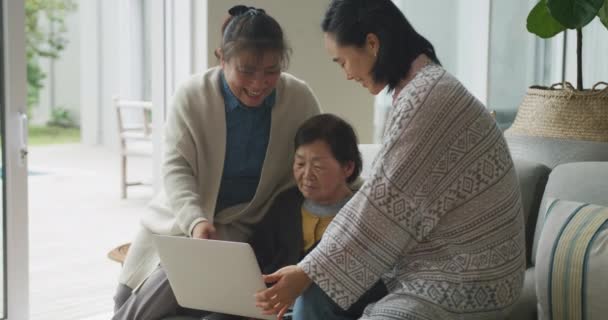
(226, 155)
(440, 219)
(327, 163)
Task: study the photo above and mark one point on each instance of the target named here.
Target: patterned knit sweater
(439, 220)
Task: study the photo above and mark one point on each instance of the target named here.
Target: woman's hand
(203, 230)
(289, 283)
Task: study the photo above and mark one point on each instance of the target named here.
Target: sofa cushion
(532, 178)
(581, 181)
(571, 261)
(552, 152)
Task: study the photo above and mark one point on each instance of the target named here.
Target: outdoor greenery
(43, 135)
(45, 38)
(61, 117)
(46, 29)
(550, 17)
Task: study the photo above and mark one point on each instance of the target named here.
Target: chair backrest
(134, 118)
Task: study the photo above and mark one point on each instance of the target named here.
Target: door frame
(16, 271)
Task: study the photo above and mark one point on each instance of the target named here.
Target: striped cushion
(572, 262)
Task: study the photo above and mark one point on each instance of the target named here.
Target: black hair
(252, 29)
(350, 21)
(338, 134)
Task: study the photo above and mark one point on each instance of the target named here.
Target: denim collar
(232, 102)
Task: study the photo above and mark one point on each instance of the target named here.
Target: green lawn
(43, 135)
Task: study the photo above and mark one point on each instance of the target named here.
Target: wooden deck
(76, 217)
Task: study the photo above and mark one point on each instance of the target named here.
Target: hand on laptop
(203, 230)
(289, 283)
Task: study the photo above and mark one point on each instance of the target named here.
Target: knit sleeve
(179, 166)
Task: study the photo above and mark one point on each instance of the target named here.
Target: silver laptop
(211, 275)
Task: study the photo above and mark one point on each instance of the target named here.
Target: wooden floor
(76, 217)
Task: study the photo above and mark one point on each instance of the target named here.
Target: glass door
(2, 221)
(13, 163)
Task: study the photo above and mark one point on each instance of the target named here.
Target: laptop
(212, 275)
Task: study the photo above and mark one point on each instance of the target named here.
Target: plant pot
(564, 113)
(556, 125)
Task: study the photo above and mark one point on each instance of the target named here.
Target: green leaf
(574, 14)
(541, 23)
(603, 14)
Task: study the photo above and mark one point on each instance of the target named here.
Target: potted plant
(561, 111)
(550, 17)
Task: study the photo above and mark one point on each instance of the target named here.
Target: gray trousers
(155, 300)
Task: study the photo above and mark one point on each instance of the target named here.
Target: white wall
(310, 62)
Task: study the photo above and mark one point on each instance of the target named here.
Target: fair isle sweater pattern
(440, 219)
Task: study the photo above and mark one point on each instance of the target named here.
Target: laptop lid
(212, 275)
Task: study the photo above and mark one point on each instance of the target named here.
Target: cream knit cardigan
(194, 150)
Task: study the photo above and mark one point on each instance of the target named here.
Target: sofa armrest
(532, 177)
(578, 181)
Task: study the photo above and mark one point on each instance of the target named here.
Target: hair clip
(241, 9)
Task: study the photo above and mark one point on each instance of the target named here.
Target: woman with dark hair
(440, 218)
(326, 165)
(225, 158)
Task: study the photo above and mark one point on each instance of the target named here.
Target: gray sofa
(553, 168)
(577, 181)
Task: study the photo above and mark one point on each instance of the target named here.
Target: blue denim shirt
(247, 135)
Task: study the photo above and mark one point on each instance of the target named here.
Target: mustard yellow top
(313, 227)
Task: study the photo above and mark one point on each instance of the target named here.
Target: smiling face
(252, 78)
(356, 62)
(319, 176)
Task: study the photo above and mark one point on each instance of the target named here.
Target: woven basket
(562, 112)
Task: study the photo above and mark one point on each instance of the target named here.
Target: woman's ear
(372, 44)
(348, 169)
(219, 55)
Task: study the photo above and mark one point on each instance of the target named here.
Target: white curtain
(131, 43)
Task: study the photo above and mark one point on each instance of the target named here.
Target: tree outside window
(45, 29)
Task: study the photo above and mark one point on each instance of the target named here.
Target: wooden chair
(135, 133)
